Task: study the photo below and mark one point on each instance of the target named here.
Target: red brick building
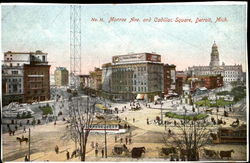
(211, 82)
(169, 74)
(179, 85)
(208, 81)
(36, 83)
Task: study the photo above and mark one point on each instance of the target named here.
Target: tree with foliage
(81, 115)
(191, 137)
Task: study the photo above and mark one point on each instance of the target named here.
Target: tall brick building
(169, 74)
(36, 83)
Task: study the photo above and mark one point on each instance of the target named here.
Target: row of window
(130, 69)
(232, 72)
(14, 80)
(11, 64)
(126, 88)
(103, 126)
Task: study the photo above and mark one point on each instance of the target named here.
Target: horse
(74, 153)
(226, 154)
(168, 151)
(210, 153)
(137, 152)
(22, 139)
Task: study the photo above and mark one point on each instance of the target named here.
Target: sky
(47, 28)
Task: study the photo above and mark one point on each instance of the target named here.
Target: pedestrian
(172, 158)
(56, 149)
(16, 127)
(92, 145)
(96, 152)
(169, 131)
(174, 123)
(130, 140)
(20, 124)
(134, 120)
(8, 126)
(26, 158)
(96, 145)
(125, 118)
(126, 140)
(121, 140)
(55, 123)
(24, 129)
(102, 152)
(237, 121)
(165, 126)
(115, 138)
(128, 127)
(67, 155)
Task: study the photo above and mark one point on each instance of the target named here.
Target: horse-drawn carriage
(168, 151)
(120, 149)
(136, 152)
(230, 135)
(234, 124)
(209, 110)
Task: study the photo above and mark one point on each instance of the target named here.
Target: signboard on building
(137, 57)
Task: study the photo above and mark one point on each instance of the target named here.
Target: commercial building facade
(61, 76)
(169, 79)
(133, 75)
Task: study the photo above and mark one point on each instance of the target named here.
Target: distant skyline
(47, 28)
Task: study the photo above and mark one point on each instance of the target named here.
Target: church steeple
(215, 61)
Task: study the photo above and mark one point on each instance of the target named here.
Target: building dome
(214, 45)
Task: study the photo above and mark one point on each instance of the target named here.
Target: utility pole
(106, 138)
(161, 113)
(29, 144)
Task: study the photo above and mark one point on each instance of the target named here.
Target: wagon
(119, 149)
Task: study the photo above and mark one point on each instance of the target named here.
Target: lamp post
(105, 134)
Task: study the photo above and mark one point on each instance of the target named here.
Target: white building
(230, 73)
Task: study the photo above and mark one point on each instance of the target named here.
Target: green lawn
(46, 110)
(220, 103)
(189, 117)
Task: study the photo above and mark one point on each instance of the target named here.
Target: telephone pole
(29, 144)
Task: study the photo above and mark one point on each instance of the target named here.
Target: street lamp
(161, 113)
(105, 133)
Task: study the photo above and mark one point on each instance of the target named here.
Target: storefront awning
(140, 96)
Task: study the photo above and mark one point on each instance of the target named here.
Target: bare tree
(81, 115)
(190, 137)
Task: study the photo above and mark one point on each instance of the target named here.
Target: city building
(61, 76)
(84, 81)
(92, 84)
(169, 79)
(132, 76)
(229, 73)
(96, 79)
(181, 78)
(207, 81)
(25, 76)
